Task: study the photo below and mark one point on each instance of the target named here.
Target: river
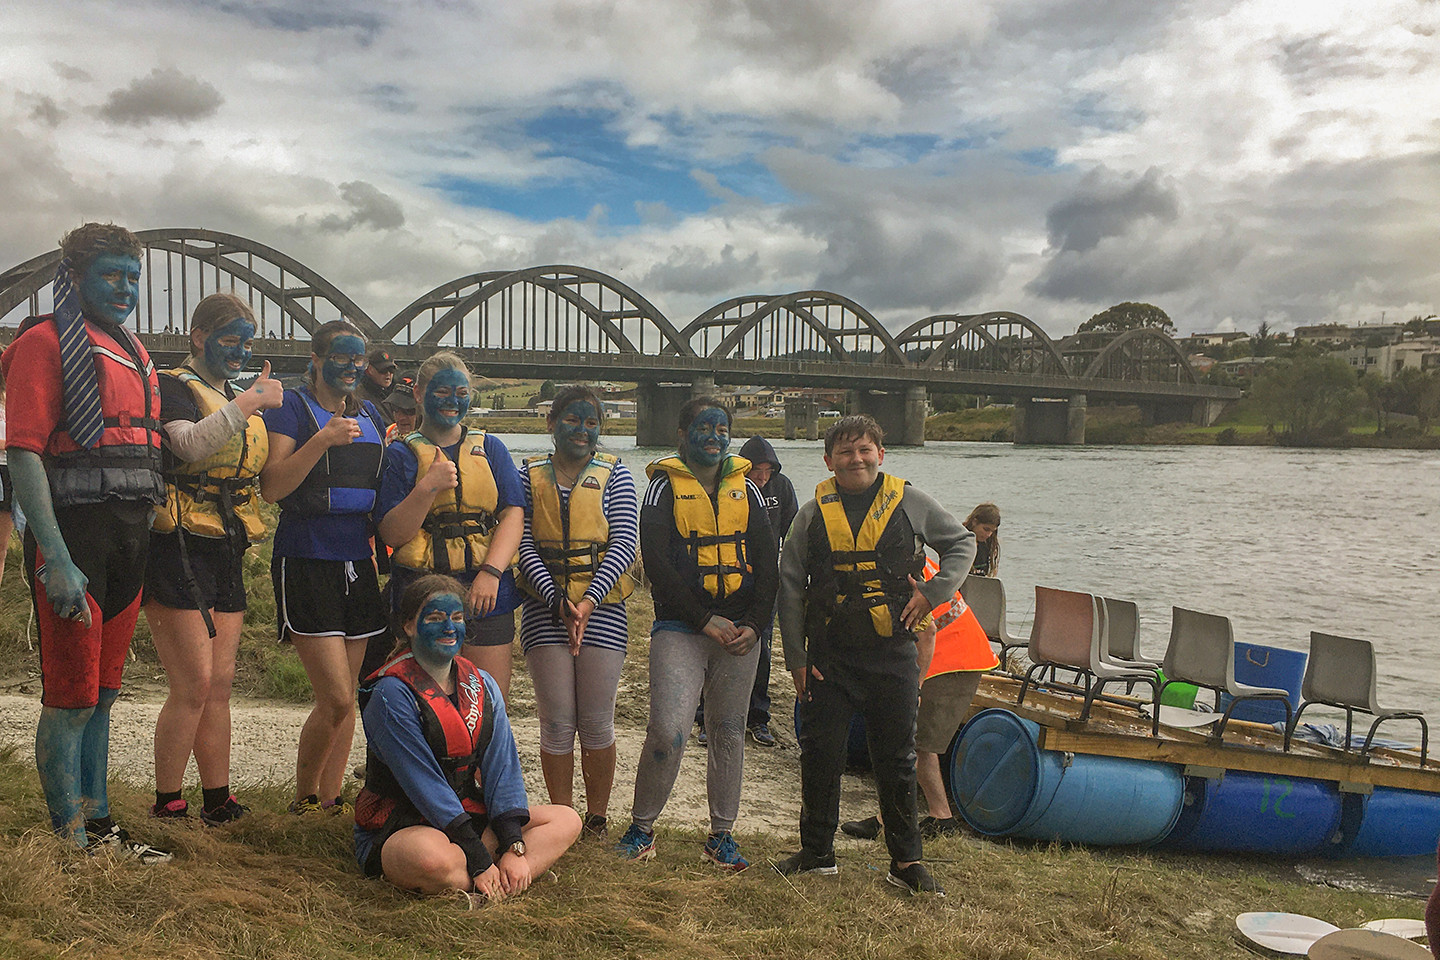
(1281, 541)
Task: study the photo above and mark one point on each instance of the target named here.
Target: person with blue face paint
(711, 559)
(215, 447)
(581, 535)
(451, 502)
(326, 448)
(84, 452)
(437, 819)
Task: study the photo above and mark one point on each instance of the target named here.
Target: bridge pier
(901, 414)
(802, 413)
(656, 405)
(1200, 412)
(1046, 421)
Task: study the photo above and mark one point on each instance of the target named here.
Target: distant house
(1198, 341)
(1245, 366)
(1388, 360)
(1341, 333)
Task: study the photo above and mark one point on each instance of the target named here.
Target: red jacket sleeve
(34, 405)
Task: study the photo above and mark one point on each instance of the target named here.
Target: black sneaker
(760, 733)
(806, 862)
(596, 827)
(228, 812)
(117, 842)
(914, 879)
(174, 810)
(867, 829)
(932, 827)
(701, 737)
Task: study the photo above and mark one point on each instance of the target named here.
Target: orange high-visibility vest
(960, 641)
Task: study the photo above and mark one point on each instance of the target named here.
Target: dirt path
(265, 733)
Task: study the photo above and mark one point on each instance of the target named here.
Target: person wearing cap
(400, 410)
(379, 381)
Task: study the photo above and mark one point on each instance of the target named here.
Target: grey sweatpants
(682, 665)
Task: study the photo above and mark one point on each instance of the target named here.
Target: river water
(1281, 541)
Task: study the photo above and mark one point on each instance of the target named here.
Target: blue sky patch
(611, 173)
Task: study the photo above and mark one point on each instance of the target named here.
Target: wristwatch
(517, 848)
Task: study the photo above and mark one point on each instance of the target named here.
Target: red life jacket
(960, 641)
(458, 737)
(125, 465)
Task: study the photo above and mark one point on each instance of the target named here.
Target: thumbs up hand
(265, 393)
(442, 474)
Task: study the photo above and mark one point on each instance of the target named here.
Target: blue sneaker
(720, 849)
(636, 844)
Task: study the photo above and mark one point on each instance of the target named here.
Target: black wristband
(493, 570)
(463, 835)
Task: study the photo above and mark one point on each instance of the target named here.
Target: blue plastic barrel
(1389, 823)
(1005, 785)
(1262, 666)
(1257, 813)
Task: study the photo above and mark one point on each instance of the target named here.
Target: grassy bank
(275, 886)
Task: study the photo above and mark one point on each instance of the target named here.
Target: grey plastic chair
(1066, 634)
(986, 599)
(1202, 652)
(1120, 633)
(1341, 673)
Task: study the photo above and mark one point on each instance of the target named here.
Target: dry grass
(274, 886)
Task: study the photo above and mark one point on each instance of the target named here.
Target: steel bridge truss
(183, 266)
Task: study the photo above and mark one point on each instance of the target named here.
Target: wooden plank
(1235, 758)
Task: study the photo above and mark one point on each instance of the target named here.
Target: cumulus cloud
(1106, 205)
(369, 207)
(163, 94)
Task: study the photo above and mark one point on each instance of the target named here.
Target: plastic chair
(986, 599)
(1341, 673)
(1202, 652)
(1066, 634)
(1120, 633)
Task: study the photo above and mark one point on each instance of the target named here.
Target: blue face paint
(447, 397)
(708, 437)
(344, 363)
(439, 629)
(110, 287)
(228, 348)
(577, 430)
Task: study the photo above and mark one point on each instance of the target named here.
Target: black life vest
(347, 476)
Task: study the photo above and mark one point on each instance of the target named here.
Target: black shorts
(218, 571)
(327, 598)
(7, 492)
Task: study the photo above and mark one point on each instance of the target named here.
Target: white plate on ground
(1181, 717)
(1287, 933)
(1366, 945)
(1398, 926)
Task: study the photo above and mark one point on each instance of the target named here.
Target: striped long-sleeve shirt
(608, 626)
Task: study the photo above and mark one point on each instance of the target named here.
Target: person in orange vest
(952, 652)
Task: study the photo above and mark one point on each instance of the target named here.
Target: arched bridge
(573, 322)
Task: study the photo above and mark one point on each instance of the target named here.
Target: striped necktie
(83, 419)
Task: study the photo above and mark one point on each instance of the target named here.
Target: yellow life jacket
(855, 558)
(462, 518)
(571, 535)
(714, 535)
(201, 495)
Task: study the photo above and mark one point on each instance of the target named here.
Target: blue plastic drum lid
(1005, 785)
(1262, 666)
(1258, 813)
(1390, 823)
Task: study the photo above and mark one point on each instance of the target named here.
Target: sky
(1231, 161)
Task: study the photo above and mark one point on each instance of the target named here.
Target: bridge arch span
(1146, 355)
(184, 265)
(808, 324)
(544, 308)
(996, 341)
